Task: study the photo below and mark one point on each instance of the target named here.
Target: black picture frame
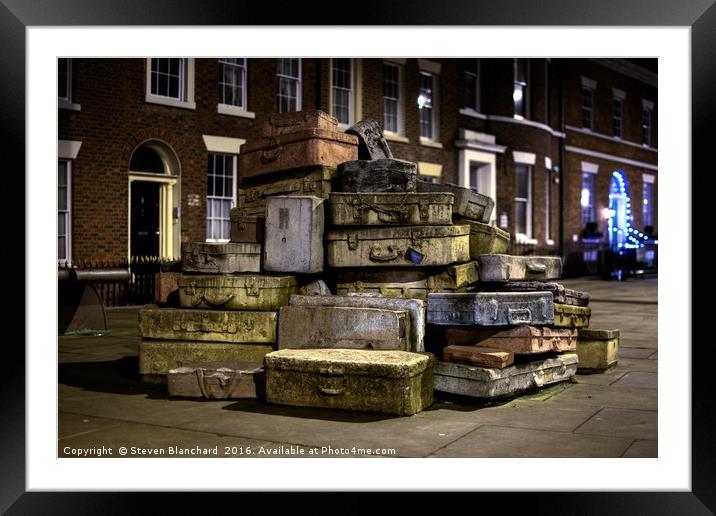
(17, 15)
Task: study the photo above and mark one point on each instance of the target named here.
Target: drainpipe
(561, 157)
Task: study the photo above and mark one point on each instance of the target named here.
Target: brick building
(147, 151)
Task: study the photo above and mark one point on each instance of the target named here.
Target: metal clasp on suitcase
(424, 207)
(251, 288)
(352, 241)
(309, 185)
(219, 327)
(519, 315)
(377, 254)
(225, 384)
(535, 267)
(272, 151)
(331, 382)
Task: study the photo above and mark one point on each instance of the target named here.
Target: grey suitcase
(561, 295)
(245, 292)
(294, 234)
(371, 143)
(415, 307)
(490, 383)
(503, 267)
(486, 239)
(468, 203)
(220, 258)
(369, 209)
(375, 176)
(315, 327)
(411, 245)
(217, 381)
(491, 308)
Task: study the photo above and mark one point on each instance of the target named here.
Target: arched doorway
(154, 197)
(620, 216)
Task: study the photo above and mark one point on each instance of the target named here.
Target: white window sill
(217, 241)
(427, 142)
(224, 109)
(64, 104)
(549, 242)
(471, 112)
(168, 101)
(392, 137)
(524, 239)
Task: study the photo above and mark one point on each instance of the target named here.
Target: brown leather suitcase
(521, 340)
(246, 228)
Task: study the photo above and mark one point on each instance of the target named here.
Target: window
(232, 81)
(288, 72)
(63, 211)
(392, 99)
(587, 108)
(471, 76)
(170, 81)
(221, 179)
(523, 199)
(646, 126)
(519, 92)
(64, 79)
(548, 206)
(589, 211)
(427, 102)
(342, 90)
(648, 203)
(618, 117)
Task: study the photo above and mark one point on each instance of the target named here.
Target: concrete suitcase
(393, 382)
(410, 245)
(486, 239)
(246, 228)
(598, 350)
(157, 357)
(217, 381)
(220, 258)
(484, 357)
(561, 295)
(503, 267)
(376, 176)
(207, 325)
(313, 327)
(245, 292)
(294, 234)
(371, 143)
(468, 203)
(415, 209)
(315, 181)
(520, 340)
(491, 383)
(570, 316)
(491, 308)
(295, 121)
(306, 148)
(415, 307)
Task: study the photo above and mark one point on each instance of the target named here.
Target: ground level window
(220, 195)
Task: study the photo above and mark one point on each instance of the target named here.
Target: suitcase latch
(251, 288)
(416, 238)
(352, 241)
(424, 206)
(309, 185)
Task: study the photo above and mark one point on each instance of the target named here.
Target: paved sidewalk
(102, 403)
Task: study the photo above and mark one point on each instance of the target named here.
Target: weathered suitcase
(598, 350)
(315, 288)
(520, 340)
(217, 381)
(486, 239)
(415, 307)
(503, 267)
(560, 294)
(376, 176)
(246, 228)
(253, 193)
(570, 316)
(294, 121)
(294, 234)
(468, 203)
(245, 292)
(157, 357)
(306, 148)
(411, 245)
(313, 327)
(207, 325)
(393, 382)
(400, 208)
(371, 143)
(491, 383)
(220, 258)
(481, 356)
(491, 308)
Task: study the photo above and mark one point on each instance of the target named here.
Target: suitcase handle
(538, 379)
(331, 382)
(227, 385)
(519, 315)
(216, 301)
(536, 267)
(377, 255)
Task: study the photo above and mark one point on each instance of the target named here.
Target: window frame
(234, 177)
(66, 102)
(186, 101)
(524, 86)
(478, 94)
(647, 204)
(527, 201)
(351, 93)
(68, 212)
(589, 109)
(618, 121)
(646, 130)
(434, 118)
(400, 101)
(299, 85)
(229, 109)
(592, 207)
(548, 207)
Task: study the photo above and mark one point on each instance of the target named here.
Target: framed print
(176, 133)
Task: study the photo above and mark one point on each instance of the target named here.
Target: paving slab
(639, 364)
(642, 449)
(602, 378)
(614, 422)
(499, 441)
(634, 352)
(638, 379)
(609, 396)
(71, 425)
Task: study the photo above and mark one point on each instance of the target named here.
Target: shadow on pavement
(115, 376)
(343, 416)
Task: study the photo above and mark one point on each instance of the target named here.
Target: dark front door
(144, 230)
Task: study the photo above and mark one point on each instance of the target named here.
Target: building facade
(148, 148)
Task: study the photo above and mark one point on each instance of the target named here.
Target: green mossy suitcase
(220, 258)
(386, 209)
(486, 239)
(504, 267)
(598, 350)
(239, 292)
(571, 316)
(468, 203)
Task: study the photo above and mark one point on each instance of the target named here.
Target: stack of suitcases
(418, 271)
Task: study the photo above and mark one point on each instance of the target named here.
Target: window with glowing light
(426, 105)
(648, 204)
(589, 212)
(519, 91)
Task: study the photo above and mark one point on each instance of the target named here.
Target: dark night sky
(650, 64)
